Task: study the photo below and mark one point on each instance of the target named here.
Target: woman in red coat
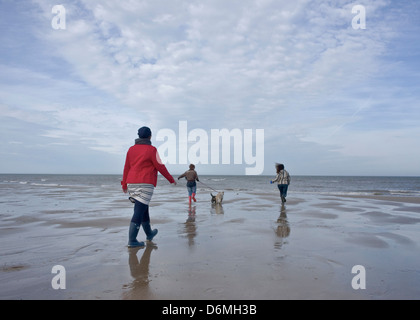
(141, 168)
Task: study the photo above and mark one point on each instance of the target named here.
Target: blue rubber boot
(132, 236)
(150, 234)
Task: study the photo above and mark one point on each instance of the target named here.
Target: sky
(334, 90)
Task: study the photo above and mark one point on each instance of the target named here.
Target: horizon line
(229, 175)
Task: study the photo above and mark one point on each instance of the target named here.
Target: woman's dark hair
(279, 167)
(192, 167)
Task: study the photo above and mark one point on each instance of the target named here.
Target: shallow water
(250, 247)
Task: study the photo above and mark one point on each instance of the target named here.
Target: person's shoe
(283, 199)
(193, 197)
(189, 199)
(150, 234)
(132, 236)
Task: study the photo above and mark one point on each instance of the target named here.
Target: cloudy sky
(332, 98)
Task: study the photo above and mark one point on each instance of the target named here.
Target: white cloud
(296, 69)
(222, 55)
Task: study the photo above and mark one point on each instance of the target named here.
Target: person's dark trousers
(141, 217)
(283, 191)
(141, 213)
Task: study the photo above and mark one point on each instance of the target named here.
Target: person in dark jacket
(141, 168)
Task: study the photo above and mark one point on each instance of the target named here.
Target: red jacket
(142, 165)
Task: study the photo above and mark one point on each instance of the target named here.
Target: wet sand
(249, 248)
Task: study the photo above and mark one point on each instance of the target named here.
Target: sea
(37, 197)
(23, 185)
(81, 222)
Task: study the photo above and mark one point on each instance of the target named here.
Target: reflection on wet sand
(217, 208)
(283, 228)
(189, 227)
(139, 270)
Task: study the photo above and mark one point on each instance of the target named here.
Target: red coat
(142, 165)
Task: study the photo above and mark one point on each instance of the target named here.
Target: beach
(251, 247)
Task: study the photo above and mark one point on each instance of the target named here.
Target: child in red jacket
(142, 165)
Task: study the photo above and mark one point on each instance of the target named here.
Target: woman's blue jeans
(283, 189)
(191, 187)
